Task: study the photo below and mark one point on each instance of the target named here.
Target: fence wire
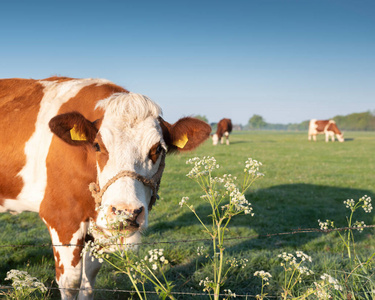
(4, 287)
(249, 237)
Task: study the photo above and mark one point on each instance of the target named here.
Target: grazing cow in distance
(224, 128)
(58, 136)
(327, 127)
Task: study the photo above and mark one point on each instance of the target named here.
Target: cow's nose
(131, 216)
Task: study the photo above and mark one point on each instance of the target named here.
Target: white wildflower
(183, 201)
(229, 293)
(22, 280)
(367, 206)
(262, 274)
(349, 203)
(200, 251)
(359, 225)
(334, 282)
(252, 167)
(202, 166)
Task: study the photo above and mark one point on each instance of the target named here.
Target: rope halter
(153, 183)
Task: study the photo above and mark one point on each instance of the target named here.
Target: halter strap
(153, 183)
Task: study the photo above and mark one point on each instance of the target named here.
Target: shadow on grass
(279, 209)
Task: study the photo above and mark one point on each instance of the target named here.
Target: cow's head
(340, 137)
(130, 140)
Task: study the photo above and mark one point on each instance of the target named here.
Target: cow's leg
(309, 137)
(222, 140)
(314, 137)
(327, 137)
(91, 267)
(227, 137)
(68, 261)
(68, 274)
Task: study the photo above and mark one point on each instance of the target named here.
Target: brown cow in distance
(224, 128)
(61, 135)
(327, 127)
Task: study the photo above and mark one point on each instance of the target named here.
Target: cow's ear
(184, 135)
(73, 128)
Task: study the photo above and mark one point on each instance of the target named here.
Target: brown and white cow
(60, 134)
(224, 128)
(327, 127)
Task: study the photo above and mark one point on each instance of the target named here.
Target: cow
(224, 128)
(80, 152)
(327, 127)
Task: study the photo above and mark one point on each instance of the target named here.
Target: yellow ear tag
(75, 135)
(181, 142)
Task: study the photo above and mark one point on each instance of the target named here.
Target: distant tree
(203, 118)
(257, 122)
(213, 127)
(356, 121)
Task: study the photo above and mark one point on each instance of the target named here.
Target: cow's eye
(159, 149)
(97, 147)
(155, 152)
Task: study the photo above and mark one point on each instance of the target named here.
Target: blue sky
(286, 60)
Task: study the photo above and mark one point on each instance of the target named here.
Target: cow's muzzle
(124, 218)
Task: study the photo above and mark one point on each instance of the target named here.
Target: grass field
(304, 181)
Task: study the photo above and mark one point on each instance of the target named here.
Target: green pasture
(304, 181)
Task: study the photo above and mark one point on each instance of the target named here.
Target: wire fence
(249, 237)
(246, 295)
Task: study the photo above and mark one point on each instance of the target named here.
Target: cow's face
(340, 137)
(127, 145)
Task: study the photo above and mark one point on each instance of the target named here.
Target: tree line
(364, 121)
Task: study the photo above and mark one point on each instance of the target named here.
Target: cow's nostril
(137, 212)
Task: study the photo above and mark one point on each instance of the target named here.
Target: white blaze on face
(129, 129)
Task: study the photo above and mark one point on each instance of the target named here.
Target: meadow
(304, 181)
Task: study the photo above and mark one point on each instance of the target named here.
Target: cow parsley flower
(349, 203)
(183, 201)
(291, 262)
(229, 293)
(22, 281)
(367, 206)
(264, 275)
(360, 225)
(200, 250)
(156, 255)
(252, 167)
(334, 282)
(207, 284)
(119, 219)
(325, 225)
(233, 262)
(202, 166)
(240, 203)
(303, 256)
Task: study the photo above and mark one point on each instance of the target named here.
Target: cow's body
(327, 127)
(58, 135)
(224, 128)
